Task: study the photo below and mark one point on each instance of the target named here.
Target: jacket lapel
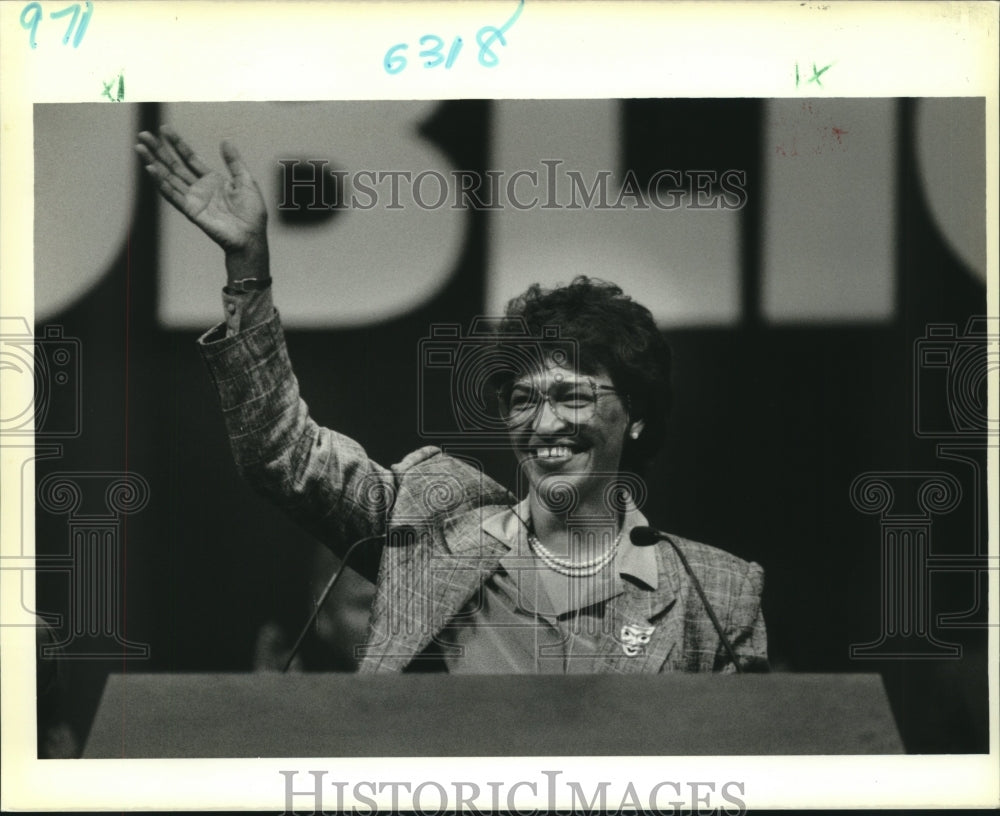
(467, 554)
(469, 557)
(424, 584)
(640, 610)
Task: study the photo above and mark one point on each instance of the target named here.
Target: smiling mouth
(553, 452)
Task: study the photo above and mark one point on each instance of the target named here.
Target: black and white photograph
(607, 449)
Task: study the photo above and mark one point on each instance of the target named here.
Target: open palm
(227, 207)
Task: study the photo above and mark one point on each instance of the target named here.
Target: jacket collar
(477, 541)
(485, 539)
(509, 528)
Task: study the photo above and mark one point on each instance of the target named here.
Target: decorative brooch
(634, 638)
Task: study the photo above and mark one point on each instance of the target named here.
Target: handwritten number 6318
(31, 16)
(434, 55)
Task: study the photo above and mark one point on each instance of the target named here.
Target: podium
(349, 715)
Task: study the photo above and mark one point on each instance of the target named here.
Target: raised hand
(229, 208)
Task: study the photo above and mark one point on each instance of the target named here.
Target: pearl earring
(635, 434)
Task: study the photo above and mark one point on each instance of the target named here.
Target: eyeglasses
(573, 401)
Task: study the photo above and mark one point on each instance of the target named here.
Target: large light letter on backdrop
(85, 186)
(829, 210)
(360, 267)
(682, 263)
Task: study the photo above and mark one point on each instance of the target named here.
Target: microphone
(646, 536)
(325, 594)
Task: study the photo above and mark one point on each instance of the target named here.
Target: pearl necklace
(574, 569)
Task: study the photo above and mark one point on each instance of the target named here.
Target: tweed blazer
(430, 509)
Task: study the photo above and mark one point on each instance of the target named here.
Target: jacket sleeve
(322, 479)
(745, 626)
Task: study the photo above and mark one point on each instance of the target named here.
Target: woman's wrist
(248, 263)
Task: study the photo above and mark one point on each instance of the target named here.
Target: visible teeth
(553, 452)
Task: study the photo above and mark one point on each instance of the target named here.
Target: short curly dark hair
(613, 332)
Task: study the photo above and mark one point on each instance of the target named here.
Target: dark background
(771, 426)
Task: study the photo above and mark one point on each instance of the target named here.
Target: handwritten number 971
(433, 53)
(31, 16)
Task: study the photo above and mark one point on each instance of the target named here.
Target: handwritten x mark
(121, 89)
(817, 74)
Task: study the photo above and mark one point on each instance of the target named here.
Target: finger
(150, 159)
(160, 171)
(168, 190)
(164, 177)
(186, 152)
(234, 161)
(153, 144)
(169, 156)
(143, 151)
(150, 142)
(147, 155)
(156, 152)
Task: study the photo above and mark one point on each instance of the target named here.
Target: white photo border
(311, 50)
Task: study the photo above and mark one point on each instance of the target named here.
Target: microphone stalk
(645, 536)
(322, 598)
